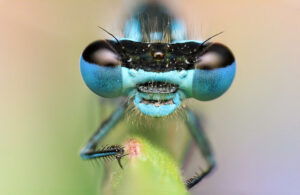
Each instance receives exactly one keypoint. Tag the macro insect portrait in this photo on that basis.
(155, 67)
(150, 97)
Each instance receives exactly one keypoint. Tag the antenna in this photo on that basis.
(211, 38)
(117, 40)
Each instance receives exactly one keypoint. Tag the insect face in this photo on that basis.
(158, 76)
(156, 67)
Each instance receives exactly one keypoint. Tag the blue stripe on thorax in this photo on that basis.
(132, 31)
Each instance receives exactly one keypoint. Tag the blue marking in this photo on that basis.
(178, 31)
(132, 30)
(185, 82)
(183, 79)
(84, 156)
(186, 41)
(156, 36)
(210, 84)
(156, 111)
(102, 80)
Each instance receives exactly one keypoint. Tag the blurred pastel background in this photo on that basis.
(47, 113)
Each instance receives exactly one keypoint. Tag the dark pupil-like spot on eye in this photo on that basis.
(215, 56)
(209, 60)
(105, 57)
(102, 53)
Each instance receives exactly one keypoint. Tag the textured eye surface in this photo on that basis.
(209, 60)
(102, 53)
(214, 72)
(101, 70)
(105, 57)
(214, 55)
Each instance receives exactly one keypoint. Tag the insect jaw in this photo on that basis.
(157, 93)
(157, 87)
(157, 105)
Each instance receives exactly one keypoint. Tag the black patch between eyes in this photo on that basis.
(172, 56)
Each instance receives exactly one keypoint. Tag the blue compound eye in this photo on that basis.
(214, 72)
(100, 67)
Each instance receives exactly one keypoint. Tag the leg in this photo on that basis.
(90, 150)
(202, 142)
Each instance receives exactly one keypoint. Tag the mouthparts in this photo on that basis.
(157, 87)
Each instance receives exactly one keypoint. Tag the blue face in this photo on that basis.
(156, 67)
(157, 76)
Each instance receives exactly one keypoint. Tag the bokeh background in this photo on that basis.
(47, 113)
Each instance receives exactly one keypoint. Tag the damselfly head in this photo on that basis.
(157, 75)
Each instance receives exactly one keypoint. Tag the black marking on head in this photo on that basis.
(160, 57)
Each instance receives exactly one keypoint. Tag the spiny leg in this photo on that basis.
(198, 134)
(90, 151)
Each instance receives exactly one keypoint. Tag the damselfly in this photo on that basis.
(157, 67)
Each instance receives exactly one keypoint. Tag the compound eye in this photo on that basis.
(214, 55)
(102, 53)
(101, 70)
(106, 57)
(210, 60)
(214, 72)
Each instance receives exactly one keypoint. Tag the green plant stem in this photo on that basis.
(151, 172)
